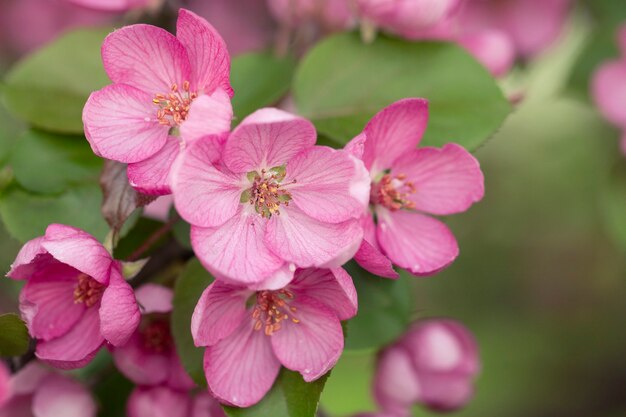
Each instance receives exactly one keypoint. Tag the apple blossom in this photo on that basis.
(163, 401)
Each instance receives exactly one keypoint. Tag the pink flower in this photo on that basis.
(249, 334)
(608, 88)
(37, 391)
(164, 86)
(493, 48)
(275, 201)
(4, 384)
(163, 401)
(434, 364)
(149, 357)
(407, 185)
(112, 5)
(75, 298)
(332, 15)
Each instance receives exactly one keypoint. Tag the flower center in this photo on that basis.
(272, 307)
(88, 291)
(157, 337)
(392, 192)
(174, 106)
(267, 193)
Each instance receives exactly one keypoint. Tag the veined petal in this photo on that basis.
(313, 345)
(208, 115)
(119, 313)
(373, 260)
(152, 175)
(158, 402)
(31, 257)
(237, 250)
(267, 138)
(61, 396)
(447, 180)
(416, 242)
(120, 124)
(146, 57)
(332, 287)
(208, 55)
(241, 369)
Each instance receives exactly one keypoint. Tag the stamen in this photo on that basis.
(174, 106)
(272, 309)
(88, 291)
(267, 192)
(392, 192)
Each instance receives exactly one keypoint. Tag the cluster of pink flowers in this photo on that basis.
(273, 217)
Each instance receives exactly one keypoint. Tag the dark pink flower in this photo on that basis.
(250, 334)
(434, 364)
(274, 202)
(164, 86)
(408, 184)
(75, 298)
(37, 391)
(163, 401)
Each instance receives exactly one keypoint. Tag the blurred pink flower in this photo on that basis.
(492, 48)
(37, 391)
(163, 86)
(408, 183)
(331, 15)
(608, 88)
(4, 383)
(275, 201)
(159, 209)
(434, 364)
(249, 334)
(75, 298)
(165, 402)
(113, 5)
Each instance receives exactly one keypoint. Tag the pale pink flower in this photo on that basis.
(434, 364)
(113, 5)
(408, 184)
(164, 86)
(331, 15)
(163, 401)
(75, 298)
(250, 334)
(275, 201)
(159, 209)
(37, 391)
(608, 88)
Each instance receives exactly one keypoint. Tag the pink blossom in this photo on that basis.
(37, 391)
(275, 201)
(434, 364)
(407, 184)
(159, 209)
(75, 298)
(4, 383)
(168, 90)
(493, 48)
(331, 15)
(250, 334)
(113, 5)
(162, 401)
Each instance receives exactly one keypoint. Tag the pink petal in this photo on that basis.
(61, 396)
(241, 369)
(307, 242)
(416, 242)
(609, 91)
(267, 138)
(141, 366)
(356, 146)
(47, 302)
(158, 402)
(492, 48)
(17, 406)
(159, 209)
(276, 281)
(331, 287)
(77, 347)
(120, 124)
(4, 384)
(237, 250)
(28, 379)
(152, 175)
(208, 55)
(219, 312)
(178, 378)
(112, 5)
(396, 386)
(369, 255)
(145, 57)
(394, 130)
(154, 298)
(313, 345)
(119, 313)
(208, 115)
(31, 257)
(204, 196)
(446, 392)
(330, 185)
(447, 180)
(204, 405)
(78, 249)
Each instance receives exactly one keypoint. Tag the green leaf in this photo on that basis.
(342, 83)
(27, 215)
(259, 80)
(614, 204)
(385, 309)
(49, 88)
(112, 393)
(49, 163)
(13, 335)
(289, 397)
(192, 282)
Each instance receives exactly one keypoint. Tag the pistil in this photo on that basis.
(267, 192)
(88, 291)
(174, 106)
(392, 192)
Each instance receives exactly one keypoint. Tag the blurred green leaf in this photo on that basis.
(49, 163)
(13, 335)
(259, 80)
(8, 134)
(614, 204)
(192, 282)
(385, 309)
(112, 392)
(27, 215)
(49, 88)
(342, 83)
(289, 397)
